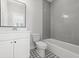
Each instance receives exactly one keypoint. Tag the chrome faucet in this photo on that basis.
(15, 28)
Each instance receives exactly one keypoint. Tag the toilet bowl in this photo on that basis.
(41, 46)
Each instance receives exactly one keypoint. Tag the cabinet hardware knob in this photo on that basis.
(14, 41)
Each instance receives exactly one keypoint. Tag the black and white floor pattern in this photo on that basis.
(48, 54)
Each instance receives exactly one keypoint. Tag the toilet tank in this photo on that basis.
(36, 37)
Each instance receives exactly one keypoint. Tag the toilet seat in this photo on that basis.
(41, 45)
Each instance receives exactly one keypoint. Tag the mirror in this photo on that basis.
(16, 14)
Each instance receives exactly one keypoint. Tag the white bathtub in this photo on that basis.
(63, 49)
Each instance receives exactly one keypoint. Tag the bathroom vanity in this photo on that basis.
(14, 44)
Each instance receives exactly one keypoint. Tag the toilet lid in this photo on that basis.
(40, 43)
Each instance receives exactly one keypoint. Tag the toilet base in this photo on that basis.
(41, 46)
(41, 52)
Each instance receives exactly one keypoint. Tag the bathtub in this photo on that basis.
(62, 49)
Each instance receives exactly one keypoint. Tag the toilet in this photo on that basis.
(40, 45)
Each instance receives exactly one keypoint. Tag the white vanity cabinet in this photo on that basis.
(21, 48)
(15, 45)
(6, 49)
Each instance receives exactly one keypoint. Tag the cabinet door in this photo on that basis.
(21, 48)
(6, 49)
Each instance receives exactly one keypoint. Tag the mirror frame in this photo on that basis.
(24, 21)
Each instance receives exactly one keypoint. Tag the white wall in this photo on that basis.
(4, 18)
(46, 19)
(52, 21)
(34, 15)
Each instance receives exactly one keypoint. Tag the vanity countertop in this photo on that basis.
(12, 35)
